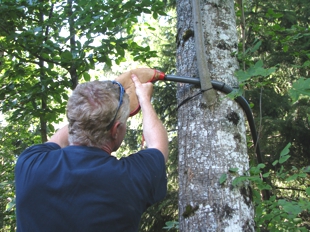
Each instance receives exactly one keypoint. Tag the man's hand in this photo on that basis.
(153, 130)
(144, 91)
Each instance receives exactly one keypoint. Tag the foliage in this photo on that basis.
(49, 46)
(275, 61)
(300, 88)
(288, 207)
(13, 141)
(46, 49)
(275, 57)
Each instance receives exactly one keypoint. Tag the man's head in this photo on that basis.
(93, 109)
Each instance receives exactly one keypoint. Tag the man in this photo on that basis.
(72, 183)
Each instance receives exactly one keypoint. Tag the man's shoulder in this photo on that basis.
(44, 147)
(47, 146)
(149, 154)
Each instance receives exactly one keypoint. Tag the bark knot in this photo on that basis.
(227, 211)
(233, 117)
(189, 211)
(246, 192)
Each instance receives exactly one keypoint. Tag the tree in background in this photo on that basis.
(49, 46)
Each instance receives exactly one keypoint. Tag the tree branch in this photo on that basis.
(293, 189)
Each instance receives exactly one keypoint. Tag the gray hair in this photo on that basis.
(90, 110)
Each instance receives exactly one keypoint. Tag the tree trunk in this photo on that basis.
(43, 122)
(211, 140)
(72, 68)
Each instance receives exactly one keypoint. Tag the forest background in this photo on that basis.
(47, 47)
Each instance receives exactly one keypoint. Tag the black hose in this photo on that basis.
(220, 86)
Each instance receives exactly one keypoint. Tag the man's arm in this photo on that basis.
(154, 132)
(60, 137)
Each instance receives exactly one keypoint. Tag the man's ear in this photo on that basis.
(115, 130)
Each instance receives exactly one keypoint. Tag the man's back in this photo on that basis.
(81, 188)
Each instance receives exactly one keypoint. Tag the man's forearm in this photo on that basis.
(154, 132)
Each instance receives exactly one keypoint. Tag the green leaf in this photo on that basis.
(306, 64)
(146, 11)
(260, 166)
(233, 170)
(285, 150)
(51, 127)
(275, 162)
(301, 87)
(57, 98)
(155, 15)
(265, 175)
(256, 170)
(284, 158)
(86, 76)
(306, 169)
(10, 205)
(171, 225)
(239, 180)
(256, 46)
(223, 178)
(292, 177)
(290, 207)
(66, 56)
(65, 96)
(308, 191)
(254, 70)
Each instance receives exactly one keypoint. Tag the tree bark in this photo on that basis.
(211, 140)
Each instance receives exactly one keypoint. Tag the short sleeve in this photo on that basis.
(150, 171)
(32, 155)
(45, 147)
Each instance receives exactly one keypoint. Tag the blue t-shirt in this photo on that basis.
(85, 189)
